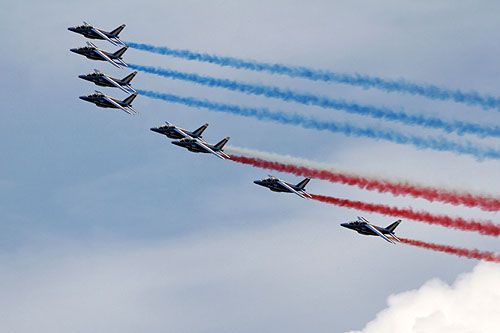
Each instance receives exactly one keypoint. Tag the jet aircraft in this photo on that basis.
(105, 80)
(364, 227)
(175, 132)
(93, 52)
(278, 185)
(103, 101)
(198, 145)
(92, 32)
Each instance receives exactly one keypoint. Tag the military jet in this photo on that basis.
(278, 185)
(93, 52)
(103, 101)
(174, 132)
(104, 80)
(198, 145)
(92, 32)
(364, 227)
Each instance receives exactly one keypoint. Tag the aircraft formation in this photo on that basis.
(190, 140)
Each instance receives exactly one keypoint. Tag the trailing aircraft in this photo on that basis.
(105, 80)
(362, 226)
(175, 132)
(92, 32)
(93, 52)
(198, 145)
(103, 101)
(278, 185)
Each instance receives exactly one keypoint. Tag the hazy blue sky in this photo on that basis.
(107, 227)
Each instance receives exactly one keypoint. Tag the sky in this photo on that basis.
(107, 227)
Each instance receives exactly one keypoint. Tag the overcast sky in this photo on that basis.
(107, 227)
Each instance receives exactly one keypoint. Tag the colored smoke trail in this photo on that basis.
(303, 167)
(365, 81)
(325, 102)
(458, 251)
(440, 144)
(483, 227)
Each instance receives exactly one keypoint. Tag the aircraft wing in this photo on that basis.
(376, 231)
(97, 31)
(395, 238)
(102, 54)
(120, 41)
(210, 150)
(122, 62)
(117, 105)
(182, 132)
(291, 189)
(113, 82)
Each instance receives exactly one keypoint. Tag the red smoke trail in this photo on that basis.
(382, 186)
(483, 227)
(458, 251)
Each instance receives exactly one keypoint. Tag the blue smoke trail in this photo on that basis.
(325, 102)
(440, 144)
(365, 81)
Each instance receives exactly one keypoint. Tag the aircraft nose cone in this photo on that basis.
(82, 76)
(155, 129)
(345, 225)
(85, 98)
(74, 50)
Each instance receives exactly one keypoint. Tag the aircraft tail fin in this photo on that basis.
(120, 52)
(200, 130)
(129, 99)
(129, 77)
(393, 226)
(303, 183)
(117, 30)
(221, 144)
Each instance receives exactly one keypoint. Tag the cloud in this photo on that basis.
(471, 304)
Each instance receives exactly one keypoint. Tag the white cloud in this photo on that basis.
(471, 304)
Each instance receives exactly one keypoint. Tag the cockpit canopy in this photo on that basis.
(268, 180)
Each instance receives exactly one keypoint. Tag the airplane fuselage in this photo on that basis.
(89, 33)
(101, 102)
(172, 133)
(364, 230)
(100, 80)
(92, 54)
(276, 187)
(193, 147)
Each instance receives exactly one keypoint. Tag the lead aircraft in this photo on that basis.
(362, 226)
(94, 53)
(278, 185)
(92, 32)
